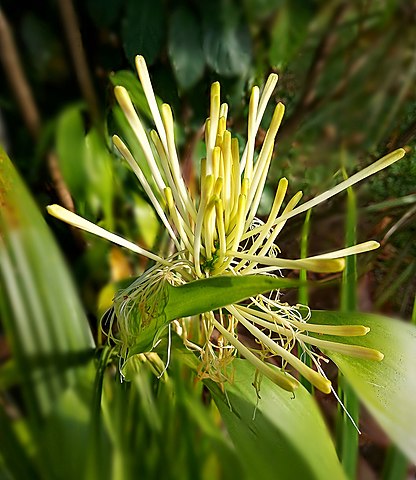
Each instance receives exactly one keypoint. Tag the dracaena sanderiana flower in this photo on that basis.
(216, 232)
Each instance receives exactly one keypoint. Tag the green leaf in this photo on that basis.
(70, 147)
(144, 29)
(185, 47)
(387, 388)
(226, 39)
(146, 220)
(104, 12)
(277, 435)
(70, 423)
(347, 435)
(194, 298)
(12, 452)
(39, 307)
(289, 31)
(98, 162)
(211, 293)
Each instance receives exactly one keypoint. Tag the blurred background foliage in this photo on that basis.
(346, 76)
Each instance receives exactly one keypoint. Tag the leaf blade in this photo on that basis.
(280, 421)
(382, 386)
(211, 293)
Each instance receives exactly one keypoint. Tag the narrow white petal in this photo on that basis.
(345, 252)
(314, 265)
(366, 172)
(125, 152)
(151, 99)
(351, 350)
(264, 100)
(285, 381)
(314, 377)
(79, 222)
(126, 105)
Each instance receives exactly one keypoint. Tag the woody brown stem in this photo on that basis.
(79, 59)
(14, 72)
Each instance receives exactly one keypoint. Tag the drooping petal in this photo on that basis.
(76, 221)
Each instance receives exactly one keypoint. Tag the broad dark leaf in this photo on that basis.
(226, 39)
(144, 29)
(185, 47)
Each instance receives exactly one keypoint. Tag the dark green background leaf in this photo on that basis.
(104, 12)
(185, 47)
(289, 31)
(226, 39)
(70, 146)
(144, 29)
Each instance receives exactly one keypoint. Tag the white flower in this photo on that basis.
(216, 232)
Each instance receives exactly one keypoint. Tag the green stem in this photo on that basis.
(303, 295)
(395, 466)
(347, 435)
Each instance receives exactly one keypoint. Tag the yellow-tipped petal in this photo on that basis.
(313, 265)
(125, 152)
(76, 221)
(351, 350)
(384, 162)
(126, 105)
(345, 252)
(150, 97)
(319, 381)
(279, 378)
(336, 330)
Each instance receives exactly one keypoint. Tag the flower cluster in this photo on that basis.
(216, 232)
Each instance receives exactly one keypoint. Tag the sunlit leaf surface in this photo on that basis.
(41, 313)
(387, 388)
(278, 435)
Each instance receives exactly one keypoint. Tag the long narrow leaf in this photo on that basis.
(45, 325)
(347, 435)
(277, 435)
